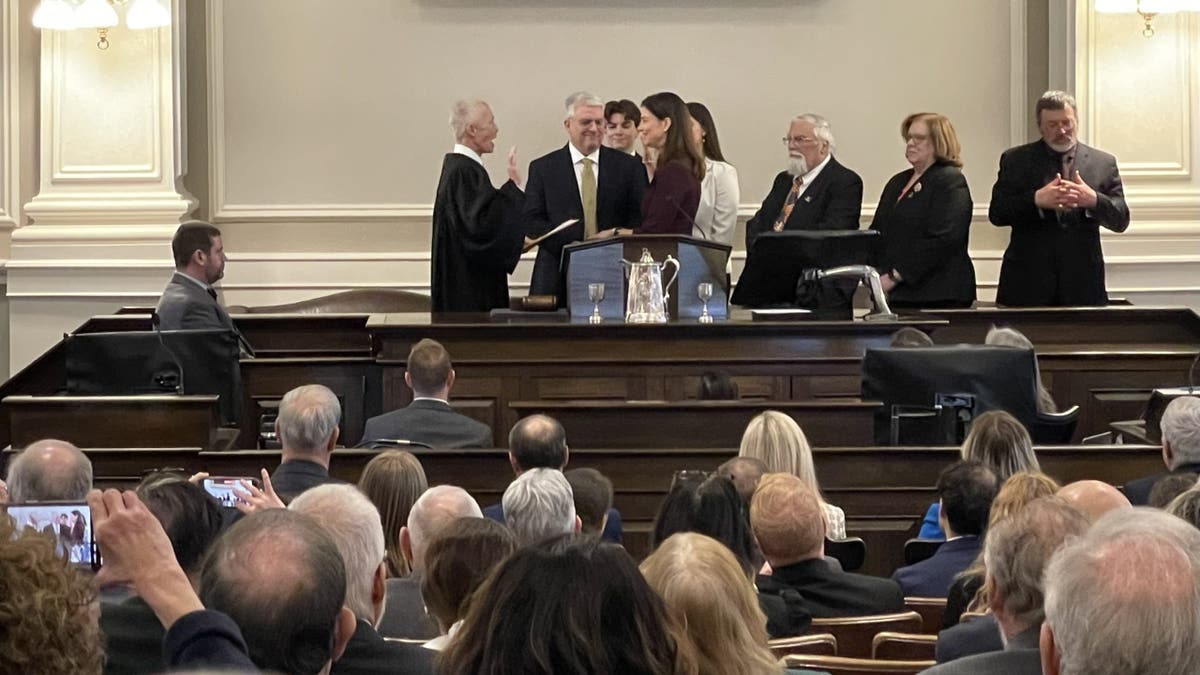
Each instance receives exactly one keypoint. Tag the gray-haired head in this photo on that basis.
(581, 98)
(49, 470)
(821, 129)
(1181, 431)
(352, 522)
(538, 505)
(433, 510)
(1186, 505)
(1054, 100)
(463, 113)
(308, 419)
(1125, 598)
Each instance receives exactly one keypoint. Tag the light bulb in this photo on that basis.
(95, 14)
(1116, 6)
(54, 15)
(147, 14)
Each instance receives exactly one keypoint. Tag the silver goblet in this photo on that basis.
(705, 291)
(596, 295)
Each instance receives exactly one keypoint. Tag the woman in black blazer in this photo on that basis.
(924, 215)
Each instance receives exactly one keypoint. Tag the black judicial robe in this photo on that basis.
(477, 238)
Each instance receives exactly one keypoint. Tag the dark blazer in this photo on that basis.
(1020, 657)
(833, 201)
(433, 423)
(368, 653)
(612, 527)
(925, 238)
(1054, 259)
(206, 640)
(1138, 491)
(404, 614)
(932, 577)
(828, 593)
(295, 476)
(977, 636)
(552, 196)
(669, 204)
(133, 637)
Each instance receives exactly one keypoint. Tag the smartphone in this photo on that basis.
(68, 523)
(221, 488)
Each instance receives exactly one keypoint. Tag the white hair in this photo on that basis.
(353, 523)
(581, 98)
(1011, 337)
(1125, 597)
(308, 416)
(1181, 430)
(49, 470)
(821, 129)
(463, 113)
(436, 507)
(539, 504)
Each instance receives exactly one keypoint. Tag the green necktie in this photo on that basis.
(587, 190)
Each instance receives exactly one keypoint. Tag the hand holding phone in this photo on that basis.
(223, 488)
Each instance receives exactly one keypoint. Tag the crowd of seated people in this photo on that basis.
(395, 576)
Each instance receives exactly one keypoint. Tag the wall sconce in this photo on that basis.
(1147, 9)
(100, 14)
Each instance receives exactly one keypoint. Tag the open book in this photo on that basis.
(562, 226)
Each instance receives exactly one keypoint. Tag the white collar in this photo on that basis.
(816, 170)
(577, 156)
(460, 149)
(194, 280)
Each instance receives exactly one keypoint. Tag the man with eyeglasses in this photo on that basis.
(815, 192)
(1056, 193)
(600, 187)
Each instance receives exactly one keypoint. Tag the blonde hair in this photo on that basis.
(941, 132)
(1000, 441)
(724, 631)
(779, 442)
(393, 481)
(786, 518)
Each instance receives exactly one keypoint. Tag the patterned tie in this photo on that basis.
(788, 204)
(587, 190)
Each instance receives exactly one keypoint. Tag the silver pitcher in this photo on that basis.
(646, 301)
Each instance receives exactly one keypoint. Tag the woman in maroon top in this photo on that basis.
(670, 203)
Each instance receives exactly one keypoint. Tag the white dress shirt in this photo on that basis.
(460, 149)
(577, 158)
(812, 175)
(716, 217)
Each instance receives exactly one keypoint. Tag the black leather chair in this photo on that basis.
(850, 552)
(916, 550)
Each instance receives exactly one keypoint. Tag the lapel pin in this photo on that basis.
(807, 198)
(917, 187)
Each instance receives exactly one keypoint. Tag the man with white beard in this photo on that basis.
(815, 192)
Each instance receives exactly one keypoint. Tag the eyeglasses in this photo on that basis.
(797, 140)
(919, 138)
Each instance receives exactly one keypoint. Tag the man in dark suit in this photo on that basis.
(966, 490)
(307, 428)
(1018, 549)
(599, 186)
(785, 515)
(815, 192)
(429, 419)
(1056, 193)
(1180, 447)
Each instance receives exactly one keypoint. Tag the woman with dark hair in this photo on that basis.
(669, 204)
(566, 605)
(393, 481)
(458, 560)
(716, 218)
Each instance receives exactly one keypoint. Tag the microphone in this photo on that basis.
(163, 380)
(695, 228)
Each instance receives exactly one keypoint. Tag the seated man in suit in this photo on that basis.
(1017, 552)
(1180, 447)
(815, 192)
(966, 490)
(429, 419)
(307, 428)
(189, 300)
(599, 186)
(786, 517)
(540, 442)
(593, 494)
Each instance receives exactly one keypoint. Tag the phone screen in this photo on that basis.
(221, 488)
(68, 523)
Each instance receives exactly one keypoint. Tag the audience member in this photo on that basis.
(49, 471)
(1093, 498)
(966, 490)
(1017, 552)
(1124, 598)
(1010, 337)
(192, 520)
(724, 631)
(429, 419)
(393, 481)
(307, 428)
(717, 387)
(710, 506)
(910, 337)
(1180, 446)
(46, 623)
(281, 579)
(785, 515)
(405, 616)
(540, 442)
(716, 217)
(1169, 487)
(1186, 506)
(566, 605)
(777, 440)
(1001, 442)
(745, 472)
(539, 505)
(457, 562)
(593, 495)
(352, 522)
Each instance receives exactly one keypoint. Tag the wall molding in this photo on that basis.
(10, 118)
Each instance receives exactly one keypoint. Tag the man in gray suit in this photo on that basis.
(429, 419)
(1017, 551)
(189, 300)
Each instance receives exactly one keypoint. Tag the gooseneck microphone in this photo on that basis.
(163, 380)
(695, 228)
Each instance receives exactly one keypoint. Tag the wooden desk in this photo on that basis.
(116, 421)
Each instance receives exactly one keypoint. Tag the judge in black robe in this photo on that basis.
(477, 236)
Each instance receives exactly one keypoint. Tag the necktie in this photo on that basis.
(789, 203)
(212, 292)
(1068, 165)
(587, 190)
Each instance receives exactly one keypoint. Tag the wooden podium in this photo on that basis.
(599, 261)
